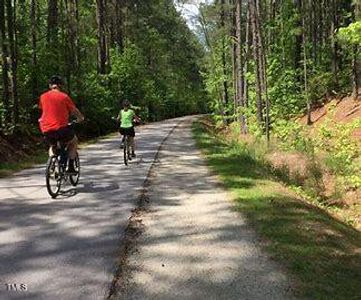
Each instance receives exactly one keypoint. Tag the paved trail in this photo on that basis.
(65, 248)
(195, 246)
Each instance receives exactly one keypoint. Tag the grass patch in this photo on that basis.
(40, 157)
(321, 251)
(9, 168)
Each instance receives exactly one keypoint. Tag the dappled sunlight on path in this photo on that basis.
(196, 246)
(65, 248)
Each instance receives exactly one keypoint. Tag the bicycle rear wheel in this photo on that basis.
(74, 179)
(53, 176)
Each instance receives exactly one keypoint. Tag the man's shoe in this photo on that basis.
(133, 155)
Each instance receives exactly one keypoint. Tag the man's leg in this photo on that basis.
(51, 141)
(51, 150)
(72, 146)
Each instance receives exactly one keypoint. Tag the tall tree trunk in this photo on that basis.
(256, 56)
(53, 22)
(334, 45)
(283, 35)
(119, 5)
(12, 42)
(71, 28)
(102, 41)
(34, 69)
(356, 76)
(313, 30)
(355, 72)
(298, 37)
(248, 44)
(5, 66)
(305, 77)
(74, 36)
(224, 62)
(261, 73)
(204, 26)
(55, 55)
(240, 65)
(273, 13)
(234, 60)
(263, 69)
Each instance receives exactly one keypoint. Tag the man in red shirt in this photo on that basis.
(56, 108)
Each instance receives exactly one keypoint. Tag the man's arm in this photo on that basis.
(76, 112)
(73, 109)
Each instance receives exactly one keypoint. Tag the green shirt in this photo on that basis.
(126, 118)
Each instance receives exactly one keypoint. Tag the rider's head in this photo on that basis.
(126, 104)
(55, 82)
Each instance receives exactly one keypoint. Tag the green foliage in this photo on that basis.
(129, 80)
(292, 136)
(321, 83)
(331, 147)
(284, 91)
(327, 70)
(351, 34)
(99, 105)
(341, 149)
(157, 69)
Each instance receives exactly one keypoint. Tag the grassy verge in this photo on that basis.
(322, 252)
(7, 169)
(40, 157)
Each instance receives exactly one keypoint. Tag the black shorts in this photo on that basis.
(127, 131)
(64, 135)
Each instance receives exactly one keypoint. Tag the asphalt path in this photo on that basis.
(195, 244)
(66, 248)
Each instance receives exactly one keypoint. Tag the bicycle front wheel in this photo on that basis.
(74, 179)
(53, 176)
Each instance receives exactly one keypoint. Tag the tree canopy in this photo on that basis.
(275, 59)
(107, 51)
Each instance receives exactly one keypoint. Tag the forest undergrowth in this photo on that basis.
(322, 162)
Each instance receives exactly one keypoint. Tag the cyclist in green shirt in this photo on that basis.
(127, 117)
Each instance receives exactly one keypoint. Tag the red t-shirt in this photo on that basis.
(56, 107)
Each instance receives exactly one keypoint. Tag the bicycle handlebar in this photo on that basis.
(74, 122)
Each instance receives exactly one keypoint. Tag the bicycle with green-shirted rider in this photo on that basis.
(127, 119)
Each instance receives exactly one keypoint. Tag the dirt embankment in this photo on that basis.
(16, 147)
(297, 165)
(340, 110)
(300, 169)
